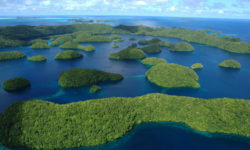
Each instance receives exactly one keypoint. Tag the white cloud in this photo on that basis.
(45, 2)
(221, 11)
(140, 3)
(172, 8)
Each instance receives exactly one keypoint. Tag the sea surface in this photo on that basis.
(215, 82)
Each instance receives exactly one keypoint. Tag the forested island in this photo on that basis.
(128, 53)
(79, 77)
(183, 46)
(152, 61)
(16, 84)
(172, 76)
(95, 89)
(68, 55)
(38, 58)
(231, 63)
(45, 125)
(11, 55)
(39, 44)
(197, 66)
(19, 35)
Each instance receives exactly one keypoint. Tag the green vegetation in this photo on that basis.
(39, 44)
(69, 54)
(183, 46)
(19, 35)
(115, 46)
(72, 45)
(143, 42)
(11, 55)
(152, 41)
(38, 58)
(165, 44)
(152, 61)
(78, 77)
(89, 48)
(128, 53)
(61, 39)
(132, 38)
(172, 76)
(197, 66)
(152, 48)
(16, 84)
(118, 40)
(95, 89)
(45, 125)
(230, 64)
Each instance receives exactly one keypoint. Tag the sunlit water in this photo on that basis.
(215, 81)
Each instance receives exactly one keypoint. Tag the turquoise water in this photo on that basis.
(215, 81)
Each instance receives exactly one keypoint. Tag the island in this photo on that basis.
(61, 39)
(96, 122)
(69, 54)
(172, 76)
(128, 53)
(197, 66)
(79, 77)
(20, 35)
(165, 44)
(38, 58)
(152, 41)
(115, 46)
(95, 89)
(231, 63)
(183, 46)
(152, 48)
(16, 84)
(76, 45)
(118, 40)
(89, 48)
(152, 61)
(39, 44)
(71, 45)
(132, 38)
(10, 55)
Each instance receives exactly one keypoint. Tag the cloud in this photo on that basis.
(140, 3)
(221, 11)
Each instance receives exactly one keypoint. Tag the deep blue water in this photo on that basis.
(215, 81)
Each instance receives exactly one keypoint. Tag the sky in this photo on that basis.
(176, 8)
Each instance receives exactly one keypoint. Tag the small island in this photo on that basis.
(132, 38)
(128, 53)
(11, 55)
(38, 58)
(95, 89)
(115, 46)
(152, 41)
(61, 39)
(76, 45)
(16, 84)
(23, 123)
(72, 45)
(39, 44)
(152, 48)
(68, 55)
(79, 77)
(172, 76)
(230, 64)
(152, 61)
(182, 47)
(88, 48)
(118, 40)
(197, 66)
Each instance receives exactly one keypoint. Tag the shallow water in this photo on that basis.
(215, 81)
